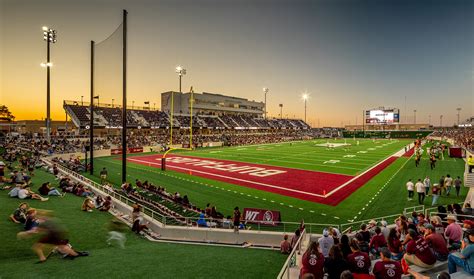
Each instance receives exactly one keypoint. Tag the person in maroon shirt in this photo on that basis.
(312, 262)
(359, 262)
(378, 241)
(418, 251)
(386, 268)
(395, 245)
(437, 243)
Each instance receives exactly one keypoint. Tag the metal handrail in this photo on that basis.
(286, 266)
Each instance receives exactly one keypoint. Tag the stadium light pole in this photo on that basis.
(147, 103)
(265, 90)
(414, 116)
(305, 98)
(181, 72)
(49, 35)
(82, 100)
(281, 111)
(154, 106)
(133, 103)
(113, 102)
(459, 114)
(441, 120)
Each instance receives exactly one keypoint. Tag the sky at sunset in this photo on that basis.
(348, 55)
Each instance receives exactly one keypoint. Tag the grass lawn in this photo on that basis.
(141, 258)
(371, 200)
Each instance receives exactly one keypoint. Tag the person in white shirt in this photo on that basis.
(325, 243)
(410, 188)
(448, 183)
(26, 193)
(427, 182)
(420, 189)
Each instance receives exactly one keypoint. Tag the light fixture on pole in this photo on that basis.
(305, 98)
(82, 100)
(97, 97)
(147, 103)
(265, 90)
(459, 114)
(154, 106)
(281, 111)
(181, 72)
(49, 35)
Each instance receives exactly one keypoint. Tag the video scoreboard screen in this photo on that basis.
(382, 116)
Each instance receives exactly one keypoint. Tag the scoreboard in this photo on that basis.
(382, 116)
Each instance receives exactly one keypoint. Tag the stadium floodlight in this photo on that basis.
(441, 120)
(113, 102)
(414, 116)
(459, 114)
(181, 72)
(305, 97)
(49, 36)
(133, 103)
(265, 90)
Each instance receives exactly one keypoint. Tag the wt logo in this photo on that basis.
(251, 215)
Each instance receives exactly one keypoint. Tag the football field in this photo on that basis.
(321, 181)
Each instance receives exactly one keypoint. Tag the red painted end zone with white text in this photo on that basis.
(302, 184)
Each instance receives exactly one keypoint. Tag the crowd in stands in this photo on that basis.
(411, 241)
(462, 136)
(110, 117)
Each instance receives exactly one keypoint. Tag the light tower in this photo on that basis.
(414, 116)
(305, 98)
(459, 114)
(181, 72)
(49, 35)
(441, 120)
(265, 90)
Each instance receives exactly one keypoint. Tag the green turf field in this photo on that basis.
(384, 195)
(311, 155)
(141, 258)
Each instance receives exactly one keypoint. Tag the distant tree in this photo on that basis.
(5, 114)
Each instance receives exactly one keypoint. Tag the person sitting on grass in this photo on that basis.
(418, 251)
(465, 259)
(14, 191)
(387, 268)
(31, 222)
(99, 201)
(19, 216)
(26, 193)
(87, 205)
(312, 262)
(107, 204)
(285, 247)
(46, 190)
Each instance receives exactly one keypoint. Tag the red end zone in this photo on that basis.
(312, 186)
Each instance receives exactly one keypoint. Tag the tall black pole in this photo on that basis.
(363, 123)
(48, 90)
(124, 99)
(91, 124)
(180, 84)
